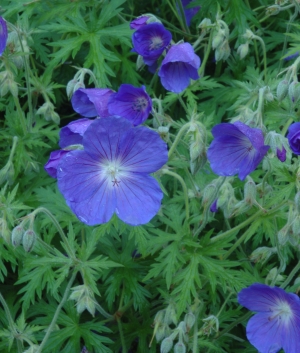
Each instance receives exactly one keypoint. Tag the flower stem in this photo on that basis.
(58, 309)
(245, 223)
(185, 191)
(177, 139)
(291, 275)
(206, 55)
(58, 227)
(124, 349)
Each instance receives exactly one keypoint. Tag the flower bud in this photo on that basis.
(250, 191)
(47, 110)
(273, 274)
(166, 345)
(197, 134)
(78, 85)
(4, 231)
(218, 39)
(163, 132)
(294, 91)
(282, 90)
(170, 315)
(17, 235)
(29, 239)
(211, 323)
(139, 63)
(273, 10)
(297, 201)
(179, 348)
(243, 50)
(189, 320)
(205, 25)
(283, 234)
(70, 88)
(222, 52)
(262, 254)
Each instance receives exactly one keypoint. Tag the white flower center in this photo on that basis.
(113, 172)
(282, 312)
(156, 43)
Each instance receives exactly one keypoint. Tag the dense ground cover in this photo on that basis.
(149, 176)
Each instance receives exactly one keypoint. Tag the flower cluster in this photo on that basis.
(129, 102)
(3, 35)
(180, 63)
(277, 322)
(104, 164)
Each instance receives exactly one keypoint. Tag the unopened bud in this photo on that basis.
(70, 88)
(222, 52)
(282, 90)
(139, 63)
(273, 10)
(78, 85)
(250, 191)
(170, 315)
(179, 348)
(283, 235)
(218, 39)
(205, 24)
(4, 231)
(294, 91)
(262, 254)
(166, 345)
(29, 239)
(243, 50)
(189, 320)
(297, 201)
(211, 323)
(17, 235)
(274, 275)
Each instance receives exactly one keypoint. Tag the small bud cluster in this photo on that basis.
(279, 145)
(290, 232)
(47, 110)
(26, 237)
(197, 134)
(289, 86)
(84, 297)
(78, 81)
(220, 40)
(211, 324)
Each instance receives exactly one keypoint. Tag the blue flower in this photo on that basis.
(277, 322)
(293, 137)
(72, 133)
(3, 35)
(91, 102)
(139, 22)
(189, 12)
(111, 174)
(150, 41)
(131, 103)
(236, 149)
(178, 67)
(52, 164)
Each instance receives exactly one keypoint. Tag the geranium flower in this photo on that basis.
(236, 149)
(150, 41)
(131, 103)
(72, 133)
(111, 174)
(91, 102)
(277, 322)
(294, 137)
(3, 35)
(178, 67)
(189, 13)
(139, 22)
(52, 164)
